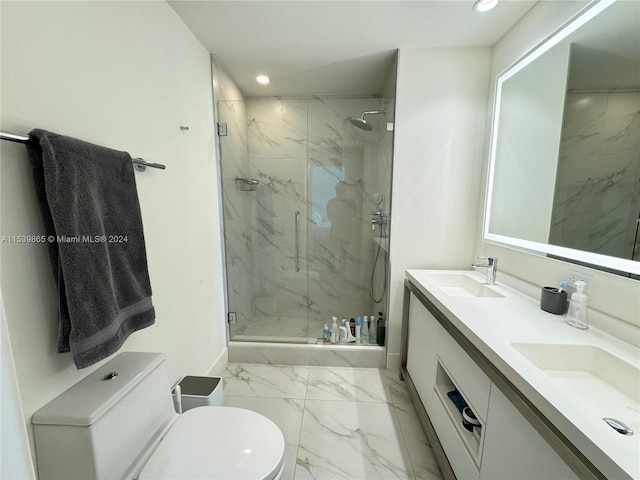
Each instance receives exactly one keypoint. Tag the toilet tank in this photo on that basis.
(103, 425)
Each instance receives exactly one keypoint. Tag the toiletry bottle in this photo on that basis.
(358, 328)
(326, 333)
(352, 326)
(364, 331)
(342, 333)
(577, 314)
(334, 330)
(349, 337)
(373, 331)
(381, 329)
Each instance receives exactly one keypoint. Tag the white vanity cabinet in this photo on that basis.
(505, 446)
(421, 355)
(513, 449)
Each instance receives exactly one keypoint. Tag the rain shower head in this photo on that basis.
(361, 123)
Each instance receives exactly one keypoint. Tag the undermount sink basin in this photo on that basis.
(461, 285)
(591, 375)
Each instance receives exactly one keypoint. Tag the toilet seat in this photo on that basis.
(218, 443)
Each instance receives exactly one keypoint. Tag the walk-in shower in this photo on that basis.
(301, 245)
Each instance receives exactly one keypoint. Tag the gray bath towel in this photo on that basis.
(91, 213)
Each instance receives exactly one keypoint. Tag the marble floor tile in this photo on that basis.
(420, 453)
(284, 412)
(397, 388)
(254, 380)
(351, 440)
(363, 426)
(347, 384)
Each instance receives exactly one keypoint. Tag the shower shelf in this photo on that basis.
(246, 184)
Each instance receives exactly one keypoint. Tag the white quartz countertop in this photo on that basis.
(493, 324)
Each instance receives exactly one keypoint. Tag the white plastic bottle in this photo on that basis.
(326, 333)
(342, 333)
(373, 331)
(334, 330)
(364, 331)
(577, 314)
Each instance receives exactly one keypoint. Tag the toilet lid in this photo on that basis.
(218, 443)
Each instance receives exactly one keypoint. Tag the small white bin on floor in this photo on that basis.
(201, 392)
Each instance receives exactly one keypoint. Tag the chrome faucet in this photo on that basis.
(491, 266)
(378, 218)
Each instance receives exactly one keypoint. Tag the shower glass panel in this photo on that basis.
(299, 243)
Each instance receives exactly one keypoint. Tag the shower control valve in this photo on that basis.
(378, 218)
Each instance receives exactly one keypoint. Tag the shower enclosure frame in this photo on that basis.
(260, 178)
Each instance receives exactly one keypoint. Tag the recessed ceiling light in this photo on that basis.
(484, 5)
(263, 79)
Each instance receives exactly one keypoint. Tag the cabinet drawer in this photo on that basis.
(474, 385)
(457, 454)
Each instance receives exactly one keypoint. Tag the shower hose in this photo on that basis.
(373, 271)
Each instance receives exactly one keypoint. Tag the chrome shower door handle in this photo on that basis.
(297, 219)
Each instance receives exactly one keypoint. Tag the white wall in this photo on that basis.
(440, 120)
(609, 295)
(15, 454)
(124, 75)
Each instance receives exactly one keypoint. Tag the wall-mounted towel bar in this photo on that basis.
(138, 163)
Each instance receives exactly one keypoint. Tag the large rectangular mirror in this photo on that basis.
(564, 169)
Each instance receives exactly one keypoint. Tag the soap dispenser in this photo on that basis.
(333, 335)
(577, 314)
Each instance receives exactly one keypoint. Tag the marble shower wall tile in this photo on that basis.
(305, 355)
(597, 195)
(622, 124)
(277, 128)
(294, 124)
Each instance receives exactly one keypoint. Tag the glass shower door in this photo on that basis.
(265, 229)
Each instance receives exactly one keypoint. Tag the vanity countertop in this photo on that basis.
(493, 324)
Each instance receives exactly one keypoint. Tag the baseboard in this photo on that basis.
(217, 369)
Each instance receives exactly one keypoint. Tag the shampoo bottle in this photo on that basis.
(364, 331)
(577, 314)
(326, 333)
(358, 328)
(342, 331)
(381, 329)
(373, 334)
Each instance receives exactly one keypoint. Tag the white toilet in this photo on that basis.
(119, 422)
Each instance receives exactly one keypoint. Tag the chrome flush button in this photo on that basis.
(618, 426)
